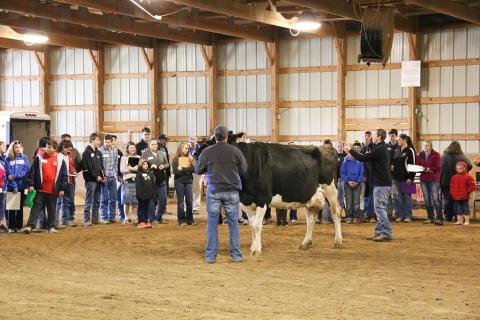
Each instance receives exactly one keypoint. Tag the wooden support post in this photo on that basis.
(341, 45)
(212, 88)
(43, 60)
(271, 51)
(412, 91)
(148, 59)
(99, 77)
(207, 60)
(154, 85)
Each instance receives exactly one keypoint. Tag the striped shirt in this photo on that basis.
(110, 161)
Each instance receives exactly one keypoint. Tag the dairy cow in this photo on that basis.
(287, 177)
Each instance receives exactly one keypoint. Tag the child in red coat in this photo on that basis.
(461, 185)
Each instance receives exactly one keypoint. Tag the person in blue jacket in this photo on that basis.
(352, 175)
(17, 167)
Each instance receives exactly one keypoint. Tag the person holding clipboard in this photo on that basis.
(129, 168)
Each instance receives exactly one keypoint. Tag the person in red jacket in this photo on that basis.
(461, 185)
(430, 182)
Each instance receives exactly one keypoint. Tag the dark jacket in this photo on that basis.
(433, 163)
(379, 161)
(145, 185)
(223, 165)
(185, 175)
(159, 159)
(18, 168)
(449, 161)
(35, 176)
(352, 170)
(141, 146)
(366, 148)
(400, 160)
(462, 184)
(92, 163)
(392, 148)
(340, 158)
(165, 152)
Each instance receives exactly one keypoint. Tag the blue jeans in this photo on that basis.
(92, 201)
(121, 209)
(109, 199)
(353, 201)
(431, 194)
(448, 204)
(2, 205)
(380, 201)
(67, 204)
(404, 204)
(293, 215)
(370, 207)
(185, 198)
(341, 192)
(161, 202)
(326, 212)
(231, 202)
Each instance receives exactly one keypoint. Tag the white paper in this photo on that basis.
(411, 71)
(13, 201)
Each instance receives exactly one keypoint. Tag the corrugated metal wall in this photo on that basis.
(19, 84)
(244, 98)
(320, 87)
(375, 84)
(127, 93)
(72, 94)
(451, 81)
(183, 96)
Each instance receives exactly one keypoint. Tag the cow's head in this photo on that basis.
(232, 139)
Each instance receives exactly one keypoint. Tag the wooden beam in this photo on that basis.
(412, 91)
(307, 69)
(270, 56)
(148, 61)
(94, 60)
(9, 35)
(442, 100)
(242, 72)
(273, 52)
(341, 47)
(374, 102)
(207, 61)
(71, 30)
(39, 61)
(183, 106)
(450, 136)
(307, 137)
(451, 8)
(183, 19)
(346, 9)
(174, 74)
(212, 88)
(242, 105)
(252, 13)
(154, 85)
(375, 121)
(307, 104)
(99, 89)
(44, 62)
(105, 22)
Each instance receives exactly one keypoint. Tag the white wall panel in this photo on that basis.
(308, 52)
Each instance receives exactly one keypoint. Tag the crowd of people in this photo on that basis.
(375, 182)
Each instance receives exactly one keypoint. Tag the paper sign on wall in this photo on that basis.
(411, 71)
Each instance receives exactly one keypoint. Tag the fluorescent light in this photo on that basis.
(31, 39)
(306, 22)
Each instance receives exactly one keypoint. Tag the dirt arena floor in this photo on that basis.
(119, 272)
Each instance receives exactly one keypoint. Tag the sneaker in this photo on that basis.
(381, 238)
(237, 260)
(95, 222)
(71, 224)
(348, 220)
(106, 222)
(148, 225)
(182, 224)
(356, 220)
(438, 222)
(398, 220)
(372, 220)
(52, 230)
(293, 221)
(11, 231)
(407, 220)
(3, 229)
(141, 225)
(326, 221)
(428, 221)
(87, 224)
(372, 237)
(210, 261)
(26, 230)
(193, 223)
(112, 221)
(60, 227)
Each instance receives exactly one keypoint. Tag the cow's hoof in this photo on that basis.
(337, 245)
(255, 252)
(305, 246)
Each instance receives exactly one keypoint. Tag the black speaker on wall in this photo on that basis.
(371, 45)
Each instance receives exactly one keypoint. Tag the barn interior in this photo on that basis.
(282, 71)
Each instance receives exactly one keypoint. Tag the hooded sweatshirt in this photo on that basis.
(447, 170)
(462, 184)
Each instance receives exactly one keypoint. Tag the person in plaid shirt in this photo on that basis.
(109, 187)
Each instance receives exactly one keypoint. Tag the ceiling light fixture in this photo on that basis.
(31, 39)
(305, 23)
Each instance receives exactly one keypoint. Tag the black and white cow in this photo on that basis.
(287, 177)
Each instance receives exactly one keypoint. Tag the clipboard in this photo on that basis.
(13, 201)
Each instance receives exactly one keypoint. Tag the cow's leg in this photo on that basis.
(307, 242)
(335, 210)
(251, 221)
(257, 225)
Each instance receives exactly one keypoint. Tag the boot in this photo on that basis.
(459, 220)
(467, 220)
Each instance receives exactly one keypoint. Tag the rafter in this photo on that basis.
(451, 8)
(9, 34)
(17, 44)
(106, 21)
(246, 12)
(184, 19)
(70, 30)
(346, 10)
